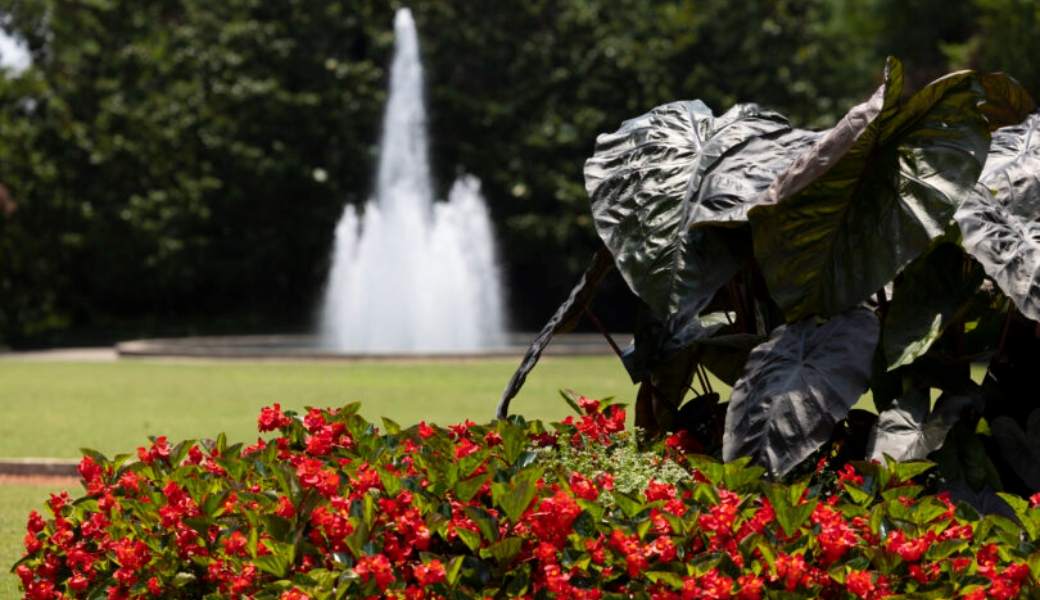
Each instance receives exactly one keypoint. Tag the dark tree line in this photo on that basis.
(180, 165)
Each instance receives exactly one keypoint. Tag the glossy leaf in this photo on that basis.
(1007, 102)
(647, 187)
(984, 500)
(999, 221)
(908, 431)
(846, 216)
(936, 289)
(963, 460)
(797, 386)
(565, 319)
(1021, 449)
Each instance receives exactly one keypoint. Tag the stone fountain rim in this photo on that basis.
(296, 347)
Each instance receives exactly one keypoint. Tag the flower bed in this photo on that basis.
(333, 508)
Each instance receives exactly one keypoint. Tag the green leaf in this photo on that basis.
(391, 481)
(466, 489)
(470, 538)
(796, 387)
(884, 560)
(391, 427)
(514, 440)
(869, 197)
(1028, 517)
(792, 518)
(571, 399)
(628, 504)
(945, 548)
(595, 509)
(790, 515)
(905, 471)
(357, 539)
(503, 551)
(650, 182)
(487, 524)
(672, 579)
(451, 570)
(564, 320)
(711, 469)
(585, 525)
(277, 562)
(737, 476)
(513, 499)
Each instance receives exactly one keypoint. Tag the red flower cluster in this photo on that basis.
(332, 508)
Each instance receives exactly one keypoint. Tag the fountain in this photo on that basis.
(410, 274)
(411, 278)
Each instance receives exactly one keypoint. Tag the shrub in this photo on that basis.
(891, 253)
(333, 508)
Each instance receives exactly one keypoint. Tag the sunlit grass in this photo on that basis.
(54, 409)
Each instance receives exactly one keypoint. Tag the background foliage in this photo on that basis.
(167, 158)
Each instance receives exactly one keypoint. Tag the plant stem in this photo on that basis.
(602, 331)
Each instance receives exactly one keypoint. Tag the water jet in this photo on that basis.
(410, 274)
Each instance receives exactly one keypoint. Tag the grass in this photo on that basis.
(53, 409)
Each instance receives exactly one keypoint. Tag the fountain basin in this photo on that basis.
(309, 347)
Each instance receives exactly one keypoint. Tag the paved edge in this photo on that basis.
(39, 467)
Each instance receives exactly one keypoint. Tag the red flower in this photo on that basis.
(582, 487)
(911, 550)
(429, 574)
(285, 508)
(715, 586)
(425, 431)
(159, 450)
(750, 587)
(235, 544)
(378, 567)
(272, 418)
(589, 406)
(848, 473)
(860, 583)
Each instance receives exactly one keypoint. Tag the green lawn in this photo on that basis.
(53, 409)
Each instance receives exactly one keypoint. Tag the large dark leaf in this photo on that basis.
(657, 340)
(984, 500)
(906, 430)
(797, 386)
(645, 181)
(1021, 449)
(564, 320)
(999, 221)
(870, 196)
(936, 289)
(1007, 102)
(963, 458)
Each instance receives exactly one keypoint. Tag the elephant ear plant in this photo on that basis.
(890, 253)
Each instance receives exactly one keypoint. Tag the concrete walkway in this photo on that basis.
(64, 354)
